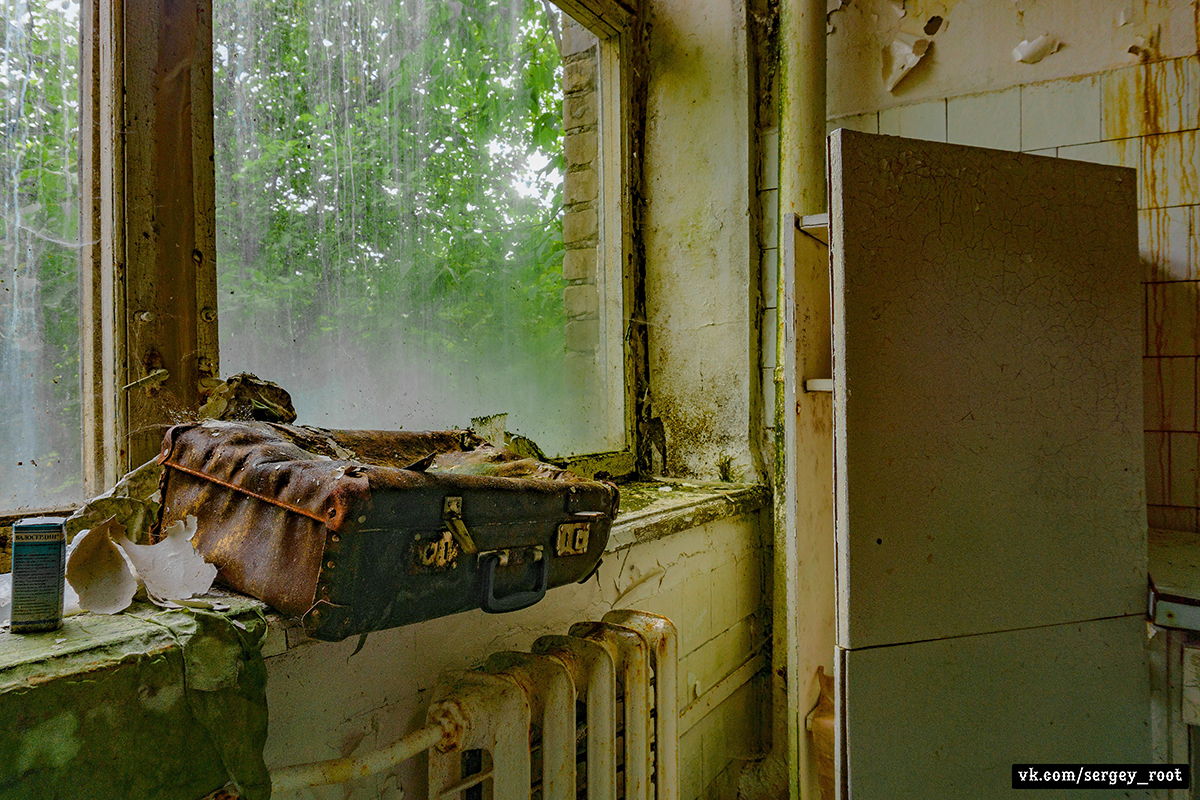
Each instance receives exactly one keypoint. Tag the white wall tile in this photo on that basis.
(768, 389)
(1158, 465)
(724, 595)
(1158, 97)
(749, 585)
(1170, 176)
(1060, 112)
(695, 623)
(769, 204)
(1116, 153)
(1184, 480)
(1170, 387)
(770, 277)
(920, 121)
(1164, 242)
(1120, 101)
(985, 120)
(770, 159)
(691, 764)
(1171, 319)
(769, 328)
(867, 123)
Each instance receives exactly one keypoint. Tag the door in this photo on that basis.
(989, 489)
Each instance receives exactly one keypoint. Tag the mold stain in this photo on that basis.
(52, 744)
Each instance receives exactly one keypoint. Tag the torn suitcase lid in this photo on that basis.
(357, 531)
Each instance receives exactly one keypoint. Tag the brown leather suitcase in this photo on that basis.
(357, 531)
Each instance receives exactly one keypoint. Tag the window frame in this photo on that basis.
(148, 276)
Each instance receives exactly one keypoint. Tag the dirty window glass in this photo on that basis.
(394, 182)
(40, 442)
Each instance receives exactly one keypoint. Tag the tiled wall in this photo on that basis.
(768, 198)
(1144, 116)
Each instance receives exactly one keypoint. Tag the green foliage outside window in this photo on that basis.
(39, 224)
(389, 200)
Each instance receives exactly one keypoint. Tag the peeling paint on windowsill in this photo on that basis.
(653, 509)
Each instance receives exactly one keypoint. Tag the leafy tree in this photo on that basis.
(389, 198)
(39, 223)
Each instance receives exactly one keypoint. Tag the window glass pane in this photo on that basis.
(391, 183)
(39, 223)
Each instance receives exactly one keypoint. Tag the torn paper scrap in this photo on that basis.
(1028, 52)
(98, 571)
(900, 57)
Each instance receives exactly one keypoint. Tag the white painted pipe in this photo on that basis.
(485, 712)
(550, 692)
(631, 657)
(340, 770)
(659, 632)
(595, 678)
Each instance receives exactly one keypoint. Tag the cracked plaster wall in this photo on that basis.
(1092, 100)
(702, 320)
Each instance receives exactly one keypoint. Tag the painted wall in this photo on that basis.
(325, 702)
(700, 254)
(1123, 89)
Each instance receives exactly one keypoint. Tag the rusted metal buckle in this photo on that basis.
(572, 538)
(452, 514)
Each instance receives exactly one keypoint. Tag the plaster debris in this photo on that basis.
(107, 570)
(831, 8)
(1028, 52)
(173, 569)
(100, 572)
(904, 53)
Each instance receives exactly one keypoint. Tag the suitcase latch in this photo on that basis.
(573, 538)
(452, 514)
(437, 554)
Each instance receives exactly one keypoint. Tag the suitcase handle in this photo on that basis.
(517, 600)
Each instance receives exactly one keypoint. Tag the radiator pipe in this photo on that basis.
(802, 191)
(340, 770)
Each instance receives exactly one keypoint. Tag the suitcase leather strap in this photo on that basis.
(275, 501)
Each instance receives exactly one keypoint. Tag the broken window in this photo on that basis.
(413, 228)
(39, 224)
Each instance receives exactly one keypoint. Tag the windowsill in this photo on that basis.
(653, 509)
(650, 510)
